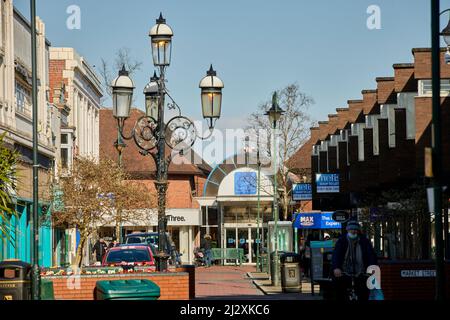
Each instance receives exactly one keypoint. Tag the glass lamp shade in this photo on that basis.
(211, 103)
(161, 39)
(122, 95)
(152, 97)
(211, 94)
(446, 34)
(162, 51)
(122, 103)
(275, 112)
(152, 106)
(447, 39)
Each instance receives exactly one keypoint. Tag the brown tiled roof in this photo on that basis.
(133, 162)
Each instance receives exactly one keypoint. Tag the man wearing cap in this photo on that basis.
(352, 255)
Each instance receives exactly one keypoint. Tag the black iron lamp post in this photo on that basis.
(274, 114)
(35, 280)
(436, 143)
(152, 132)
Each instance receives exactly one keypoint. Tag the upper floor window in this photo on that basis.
(23, 98)
(425, 87)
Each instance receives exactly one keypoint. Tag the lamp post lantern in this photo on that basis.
(274, 114)
(152, 132)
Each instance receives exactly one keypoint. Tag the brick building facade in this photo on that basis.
(377, 144)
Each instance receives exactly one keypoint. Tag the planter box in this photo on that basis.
(173, 285)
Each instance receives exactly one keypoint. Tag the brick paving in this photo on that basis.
(226, 282)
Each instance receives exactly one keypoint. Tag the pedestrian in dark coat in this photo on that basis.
(352, 255)
(100, 248)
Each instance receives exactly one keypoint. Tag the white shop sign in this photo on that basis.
(418, 273)
(175, 217)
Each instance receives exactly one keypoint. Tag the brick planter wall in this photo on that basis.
(173, 286)
(190, 269)
(397, 288)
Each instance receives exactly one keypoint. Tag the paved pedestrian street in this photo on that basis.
(235, 283)
(226, 282)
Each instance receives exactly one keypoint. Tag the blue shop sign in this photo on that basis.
(327, 183)
(301, 191)
(315, 221)
(245, 183)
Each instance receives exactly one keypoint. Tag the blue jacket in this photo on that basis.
(368, 254)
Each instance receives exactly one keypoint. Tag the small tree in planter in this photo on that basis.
(8, 181)
(96, 193)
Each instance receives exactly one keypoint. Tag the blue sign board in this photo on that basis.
(327, 183)
(245, 183)
(315, 221)
(301, 191)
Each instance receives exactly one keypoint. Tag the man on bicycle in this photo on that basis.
(352, 255)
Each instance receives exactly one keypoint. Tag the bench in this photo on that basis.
(228, 254)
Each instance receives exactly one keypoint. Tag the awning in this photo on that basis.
(310, 220)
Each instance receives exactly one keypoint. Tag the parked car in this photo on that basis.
(129, 255)
(152, 238)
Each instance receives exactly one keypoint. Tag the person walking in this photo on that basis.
(100, 248)
(113, 244)
(206, 247)
(352, 255)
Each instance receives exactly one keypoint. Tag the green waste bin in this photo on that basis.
(47, 292)
(127, 290)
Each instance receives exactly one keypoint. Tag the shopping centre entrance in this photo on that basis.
(231, 195)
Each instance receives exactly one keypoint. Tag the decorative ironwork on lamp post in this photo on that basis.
(152, 133)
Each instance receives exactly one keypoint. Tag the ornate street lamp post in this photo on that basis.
(436, 143)
(36, 279)
(274, 115)
(151, 133)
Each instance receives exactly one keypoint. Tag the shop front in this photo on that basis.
(237, 204)
(183, 225)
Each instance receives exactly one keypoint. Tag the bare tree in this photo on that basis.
(292, 132)
(109, 71)
(95, 194)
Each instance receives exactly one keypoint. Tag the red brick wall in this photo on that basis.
(369, 100)
(404, 78)
(397, 288)
(386, 90)
(179, 193)
(173, 286)
(422, 64)
(56, 68)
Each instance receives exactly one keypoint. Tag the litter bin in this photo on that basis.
(127, 290)
(47, 291)
(15, 280)
(290, 272)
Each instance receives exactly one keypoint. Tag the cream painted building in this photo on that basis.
(16, 122)
(76, 90)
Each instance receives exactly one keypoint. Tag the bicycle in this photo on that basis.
(351, 292)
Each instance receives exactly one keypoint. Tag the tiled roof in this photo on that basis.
(133, 162)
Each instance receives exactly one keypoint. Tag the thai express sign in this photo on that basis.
(327, 183)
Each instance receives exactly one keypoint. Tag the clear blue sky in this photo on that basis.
(256, 46)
